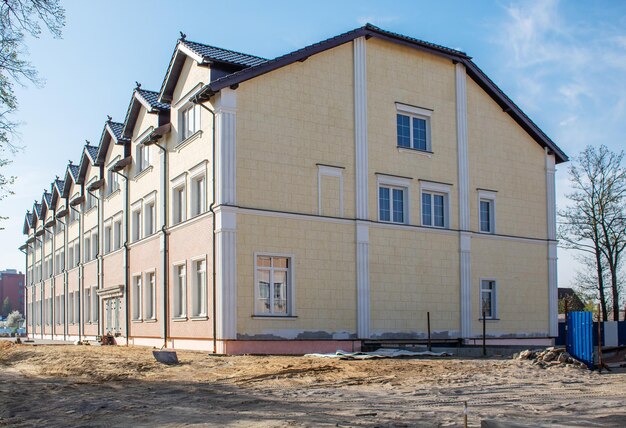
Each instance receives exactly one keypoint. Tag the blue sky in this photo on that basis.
(563, 62)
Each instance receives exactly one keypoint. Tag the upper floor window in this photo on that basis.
(90, 201)
(108, 238)
(413, 127)
(190, 121)
(149, 218)
(393, 193)
(179, 204)
(487, 211)
(117, 234)
(136, 224)
(143, 157)
(435, 204)
(198, 195)
(113, 181)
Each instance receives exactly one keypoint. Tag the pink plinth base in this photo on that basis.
(289, 347)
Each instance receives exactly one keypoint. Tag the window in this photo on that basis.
(198, 296)
(487, 211)
(273, 288)
(94, 304)
(70, 254)
(90, 201)
(413, 127)
(87, 249)
(76, 307)
(435, 204)
(117, 234)
(137, 297)
(73, 214)
(150, 219)
(190, 121)
(136, 222)
(113, 181)
(76, 252)
(94, 244)
(87, 305)
(150, 296)
(391, 204)
(143, 157)
(180, 291)
(488, 298)
(70, 312)
(198, 195)
(393, 201)
(179, 204)
(108, 237)
(59, 228)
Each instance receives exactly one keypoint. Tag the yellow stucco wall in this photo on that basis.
(324, 269)
(289, 120)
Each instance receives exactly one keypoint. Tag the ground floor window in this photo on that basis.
(199, 288)
(273, 285)
(150, 293)
(136, 296)
(180, 291)
(488, 298)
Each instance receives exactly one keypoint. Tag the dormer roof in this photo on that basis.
(71, 175)
(203, 55)
(112, 131)
(57, 191)
(88, 158)
(28, 222)
(149, 100)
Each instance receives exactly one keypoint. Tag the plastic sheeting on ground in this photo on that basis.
(379, 353)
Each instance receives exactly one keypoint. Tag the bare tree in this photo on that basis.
(594, 222)
(18, 19)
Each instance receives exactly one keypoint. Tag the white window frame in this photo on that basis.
(291, 287)
(490, 197)
(113, 178)
(108, 236)
(195, 288)
(94, 304)
(398, 183)
(87, 305)
(95, 244)
(198, 197)
(143, 161)
(136, 219)
(137, 296)
(149, 283)
(179, 299)
(70, 309)
(87, 247)
(179, 212)
(494, 299)
(118, 232)
(441, 189)
(418, 113)
(185, 131)
(329, 171)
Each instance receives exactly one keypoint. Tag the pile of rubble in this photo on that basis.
(550, 357)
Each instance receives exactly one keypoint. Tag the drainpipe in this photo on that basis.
(98, 256)
(52, 288)
(126, 254)
(64, 272)
(164, 234)
(196, 100)
(80, 271)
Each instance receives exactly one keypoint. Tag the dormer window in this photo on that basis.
(189, 121)
(143, 157)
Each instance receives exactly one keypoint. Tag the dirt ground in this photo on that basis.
(68, 385)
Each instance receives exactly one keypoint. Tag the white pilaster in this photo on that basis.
(552, 257)
(225, 217)
(362, 211)
(465, 240)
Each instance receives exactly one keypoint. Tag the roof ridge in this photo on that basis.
(225, 49)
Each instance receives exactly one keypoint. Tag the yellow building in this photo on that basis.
(338, 194)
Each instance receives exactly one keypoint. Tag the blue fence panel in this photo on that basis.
(579, 336)
(560, 339)
(621, 333)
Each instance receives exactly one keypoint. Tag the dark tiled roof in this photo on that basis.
(59, 184)
(151, 98)
(213, 53)
(47, 197)
(73, 169)
(416, 41)
(116, 128)
(37, 209)
(92, 150)
(29, 217)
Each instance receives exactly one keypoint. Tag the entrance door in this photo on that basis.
(112, 309)
(108, 309)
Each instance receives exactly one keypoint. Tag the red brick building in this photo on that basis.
(11, 291)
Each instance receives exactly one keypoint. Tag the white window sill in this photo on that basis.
(151, 320)
(426, 153)
(143, 172)
(137, 321)
(180, 319)
(113, 193)
(489, 319)
(199, 318)
(188, 140)
(274, 317)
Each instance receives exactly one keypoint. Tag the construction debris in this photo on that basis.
(380, 353)
(550, 357)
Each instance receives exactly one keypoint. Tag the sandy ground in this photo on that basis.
(67, 385)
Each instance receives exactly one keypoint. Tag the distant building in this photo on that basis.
(11, 291)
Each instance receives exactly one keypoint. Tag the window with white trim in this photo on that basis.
(198, 195)
(487, 211)
(108, 238)
(488, 302)
(179, 204)
(273, 286)
(70, 307)
(199, 292)
(90, 201)
(136, 296)
(94, 304)
(150, 296)
(76, 252)
(87, 248)
(136, 224)
(76, 307)
(149, 218)
(189, 121)
(113, 181)
(393, 199)
(73, 214)
(142, 157)
(117, 234)
(435, 201)
(413, 127)
(87, 305)
(94, 243)
(180, 291)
